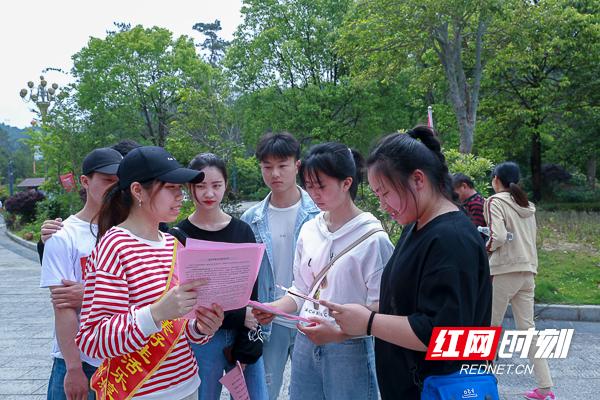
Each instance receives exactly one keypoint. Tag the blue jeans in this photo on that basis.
(56, 389)
(276, 351)
(333, 371)
(212, 363)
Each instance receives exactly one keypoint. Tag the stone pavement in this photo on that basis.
(26, 324)
(26, 332)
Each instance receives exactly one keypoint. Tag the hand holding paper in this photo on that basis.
(229, 269)
(177, 302)
(208, 321)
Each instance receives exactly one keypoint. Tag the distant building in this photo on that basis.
(31, 183)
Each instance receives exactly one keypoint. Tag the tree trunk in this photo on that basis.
(464, 95)
(536, 165)
(467, 129)
(162, 133)
(592, 165)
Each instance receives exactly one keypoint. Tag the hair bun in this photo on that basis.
(427, 136)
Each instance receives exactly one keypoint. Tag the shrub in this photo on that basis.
(577, 194)
(59, 205)
(3, 192)
(554, 173)
(367, 201)
(477, 168)
(23, 204)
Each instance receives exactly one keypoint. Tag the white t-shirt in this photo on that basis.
(65, 256)
(281, 223)
(356, 276)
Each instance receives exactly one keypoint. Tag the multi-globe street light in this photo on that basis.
(42, 96)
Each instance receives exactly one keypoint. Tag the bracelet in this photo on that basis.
(370, 323)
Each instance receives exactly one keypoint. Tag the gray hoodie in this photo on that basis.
(504, 215)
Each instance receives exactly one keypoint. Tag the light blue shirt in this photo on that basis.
(258, 219)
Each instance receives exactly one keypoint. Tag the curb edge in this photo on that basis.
(22, 242)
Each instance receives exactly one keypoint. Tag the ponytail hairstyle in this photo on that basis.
(335, 160)
(509, 175)
(397, 156)
(117, 203)
(204, 160)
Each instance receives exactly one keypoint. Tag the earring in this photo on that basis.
(139, 203)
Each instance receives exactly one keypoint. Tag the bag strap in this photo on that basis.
(352, 245)
(179, 234)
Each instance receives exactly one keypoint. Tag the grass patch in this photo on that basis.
(568, 277)
(30, 232)
(574, 227)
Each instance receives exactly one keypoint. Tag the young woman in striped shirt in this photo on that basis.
(132, 305)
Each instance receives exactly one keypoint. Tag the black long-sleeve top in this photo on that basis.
(437, 276)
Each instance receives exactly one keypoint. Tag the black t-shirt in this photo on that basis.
(236, 231)
(438, 276)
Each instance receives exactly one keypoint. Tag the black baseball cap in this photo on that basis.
(147, 163)
(104, 160)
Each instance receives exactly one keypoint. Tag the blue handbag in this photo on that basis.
(460, 386)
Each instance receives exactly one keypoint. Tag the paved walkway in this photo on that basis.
(26, 332)
(26, 324)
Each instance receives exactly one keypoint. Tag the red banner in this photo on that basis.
(68, 182)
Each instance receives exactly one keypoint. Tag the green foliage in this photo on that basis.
(187, 208)
(131, 83)
(533, 79)
(213, 44)
(63, 139)
(245, 179)
(183, 146)
(3, 192)
(440, 40)
(367, 201)
(477, 168)
(284, 61)
(577, 195)
(346, 71)
(58, 204)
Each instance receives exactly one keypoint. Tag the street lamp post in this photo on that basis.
(11, 177)
(41, 96)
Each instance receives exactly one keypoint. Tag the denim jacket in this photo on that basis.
(258, 219)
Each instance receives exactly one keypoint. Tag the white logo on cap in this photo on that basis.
(170, 159)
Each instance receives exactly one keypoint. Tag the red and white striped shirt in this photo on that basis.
(125, 275)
